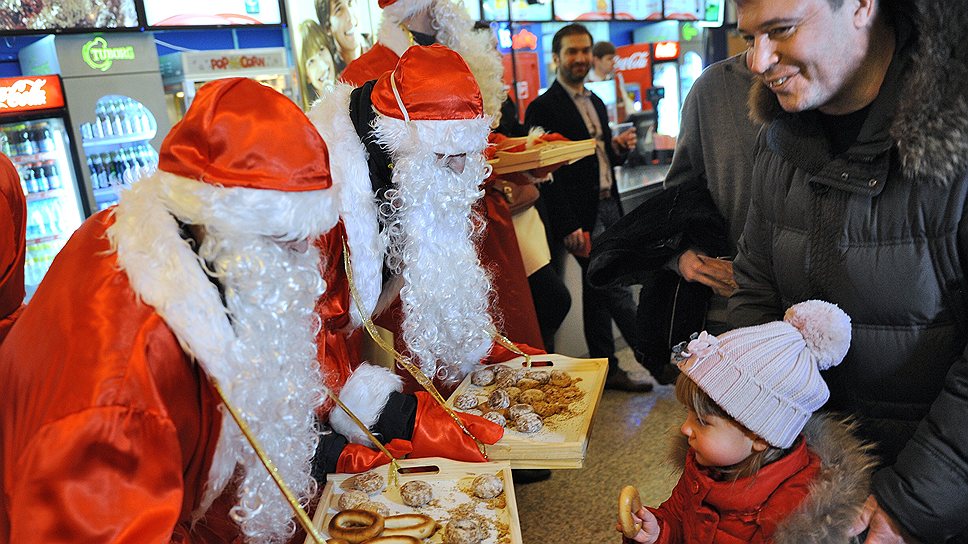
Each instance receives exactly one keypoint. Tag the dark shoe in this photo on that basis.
(619, 380)
(529, 475)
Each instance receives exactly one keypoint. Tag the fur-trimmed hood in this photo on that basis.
(838, 492)
(930, 128)
(455, 30)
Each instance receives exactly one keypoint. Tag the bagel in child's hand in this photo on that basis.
(395, 539)
(419, 526)
(355, 526)
(629, 503)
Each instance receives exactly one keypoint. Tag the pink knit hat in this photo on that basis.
(767, 377)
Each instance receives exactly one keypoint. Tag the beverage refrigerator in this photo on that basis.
(34, 134)
(113, 90)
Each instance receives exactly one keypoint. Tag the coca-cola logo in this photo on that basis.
(635, 61)
(23, 93)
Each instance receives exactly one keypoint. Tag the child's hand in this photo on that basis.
(649, 533)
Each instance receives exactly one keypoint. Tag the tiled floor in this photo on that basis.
(630, 444)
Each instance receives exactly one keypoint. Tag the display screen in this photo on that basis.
(182, 13)
(521, 10)
(68, 15)
(684, 10)
(638, 10)
(583, 10)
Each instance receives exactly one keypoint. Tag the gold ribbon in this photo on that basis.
(509, 345)
(392, 477)
(301, 515)
(414, 371)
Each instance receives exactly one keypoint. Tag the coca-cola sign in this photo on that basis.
(636, 61)
(30, 93)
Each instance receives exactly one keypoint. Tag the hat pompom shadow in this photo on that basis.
(825, 329)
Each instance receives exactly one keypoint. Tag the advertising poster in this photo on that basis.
(326, 36)
(583, 10)
(67, 15)
(179, 13)
(521, 10)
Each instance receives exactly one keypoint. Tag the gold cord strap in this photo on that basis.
(301, 515)
(509, 345)
(409, 34)
(404, 362)
(392, 477)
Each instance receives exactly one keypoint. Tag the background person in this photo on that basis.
(859, 188)
(603, 62)
(583, 200)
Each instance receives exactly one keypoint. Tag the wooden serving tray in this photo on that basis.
(451, 482)
(563, 441)
(542, 155)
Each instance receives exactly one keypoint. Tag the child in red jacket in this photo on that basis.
(749, 470)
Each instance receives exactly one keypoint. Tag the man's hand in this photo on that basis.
(649, 533)
(575, 241)
(717, 274)
(881, 527)
(624, 141)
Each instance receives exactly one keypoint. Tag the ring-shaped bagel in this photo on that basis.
(628, 503)
(395, 539)
(355, 526)
(419, 526)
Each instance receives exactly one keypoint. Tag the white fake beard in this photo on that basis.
(275, 383)
(429, 231)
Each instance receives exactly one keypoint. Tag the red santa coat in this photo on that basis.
(702, 510)
(498, 248)
(13, 229)
(108, 428)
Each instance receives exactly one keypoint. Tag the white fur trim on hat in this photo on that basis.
(365, 394)
(357, 203)
(767, 377)
(449, 137)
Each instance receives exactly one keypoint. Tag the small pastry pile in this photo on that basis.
(521, 400)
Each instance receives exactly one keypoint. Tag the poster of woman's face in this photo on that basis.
(326, 36)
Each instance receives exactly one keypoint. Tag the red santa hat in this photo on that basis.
(240, 133)
(433, 95)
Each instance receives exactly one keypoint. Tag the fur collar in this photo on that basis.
(930, 128)
(477, 48)
(836, 495)
(357, 203)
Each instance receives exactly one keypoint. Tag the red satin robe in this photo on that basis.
(108, 428)
(498, 248)
(13, 229)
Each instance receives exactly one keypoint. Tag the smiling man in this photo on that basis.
(583, 198)
(860, 187)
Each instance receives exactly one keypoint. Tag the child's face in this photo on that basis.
(718, 442)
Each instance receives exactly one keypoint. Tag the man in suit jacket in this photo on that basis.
(583, 196)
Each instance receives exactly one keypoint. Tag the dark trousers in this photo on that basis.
(601, 305)
(551, 302)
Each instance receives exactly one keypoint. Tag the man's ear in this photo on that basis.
(760, 445)
(864, 11)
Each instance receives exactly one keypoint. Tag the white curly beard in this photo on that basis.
(429, 230)
(275, 382)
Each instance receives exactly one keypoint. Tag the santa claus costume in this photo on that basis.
(13, 232)
(413, 222)
(111, 430)
(513, 308)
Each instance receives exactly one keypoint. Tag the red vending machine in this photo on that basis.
(33, 133)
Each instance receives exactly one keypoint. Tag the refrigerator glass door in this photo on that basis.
(40, 151)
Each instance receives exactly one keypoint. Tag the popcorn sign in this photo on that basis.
(30, 93)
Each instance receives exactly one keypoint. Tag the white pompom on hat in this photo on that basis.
(767, 377)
